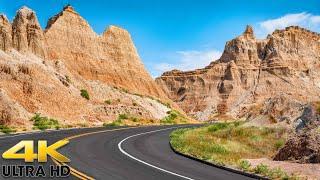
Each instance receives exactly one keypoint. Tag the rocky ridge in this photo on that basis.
(43, 71)
(250, 73)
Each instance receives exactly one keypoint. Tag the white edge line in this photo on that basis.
(143, 162)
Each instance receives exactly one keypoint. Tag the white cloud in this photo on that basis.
(306, 20)
(189, 60)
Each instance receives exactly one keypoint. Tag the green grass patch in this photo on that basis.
(43, 123)
(84, 93)
(6, 129)
(228, 143)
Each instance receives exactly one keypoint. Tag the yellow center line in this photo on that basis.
(75, 172)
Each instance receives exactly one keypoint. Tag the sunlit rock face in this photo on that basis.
(249, 73)
(43, 71)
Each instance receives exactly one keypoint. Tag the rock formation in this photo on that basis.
(304, 145)
(44, 71)
(249, 73)
(5, 33)
(27, 34)
(111, 58)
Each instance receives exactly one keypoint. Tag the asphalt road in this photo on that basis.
(129, 153)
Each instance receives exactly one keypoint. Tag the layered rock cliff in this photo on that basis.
(111, 58)
(44, 71)
(249, 75)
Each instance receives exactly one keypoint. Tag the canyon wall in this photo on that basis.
(251, 75)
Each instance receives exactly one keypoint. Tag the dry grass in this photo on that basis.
(228, 143)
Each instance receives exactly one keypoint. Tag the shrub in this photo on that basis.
(108, 101)
(122, 117)
(43, 123)
(134, 119)
(134, 104)
(261, 169)
(171, 118)
(68, 79)
(84, 93)
(7, 130)
(113, 124)
(279, 143)
(244, 165)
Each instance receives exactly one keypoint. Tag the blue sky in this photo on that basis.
(182, 34)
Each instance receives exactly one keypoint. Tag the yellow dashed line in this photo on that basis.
(75, 172)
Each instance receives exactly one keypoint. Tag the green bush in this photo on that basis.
(7, 130)
(84, 93)
(123, 116)
(108, 101)
(244, 165)
(43, 123)
(279, 144)
(171, 118)
(134, 119)
(261, 169)
(113, 124)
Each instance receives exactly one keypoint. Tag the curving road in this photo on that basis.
(128, 153)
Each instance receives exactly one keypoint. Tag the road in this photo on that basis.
(125, 153)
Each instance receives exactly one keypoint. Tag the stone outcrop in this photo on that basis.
(249, 72)
(5, 33)
(27, 34)
(304, 145)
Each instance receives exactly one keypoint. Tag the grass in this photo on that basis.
(228, 143)
(84, 93)
(43, 123)
(6, 129)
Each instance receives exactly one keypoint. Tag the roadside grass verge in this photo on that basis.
(229, 143)
(6, 129)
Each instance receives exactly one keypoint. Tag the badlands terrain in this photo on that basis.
(68, 73)
(273, 86)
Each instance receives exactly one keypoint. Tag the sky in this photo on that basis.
(180, 34)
